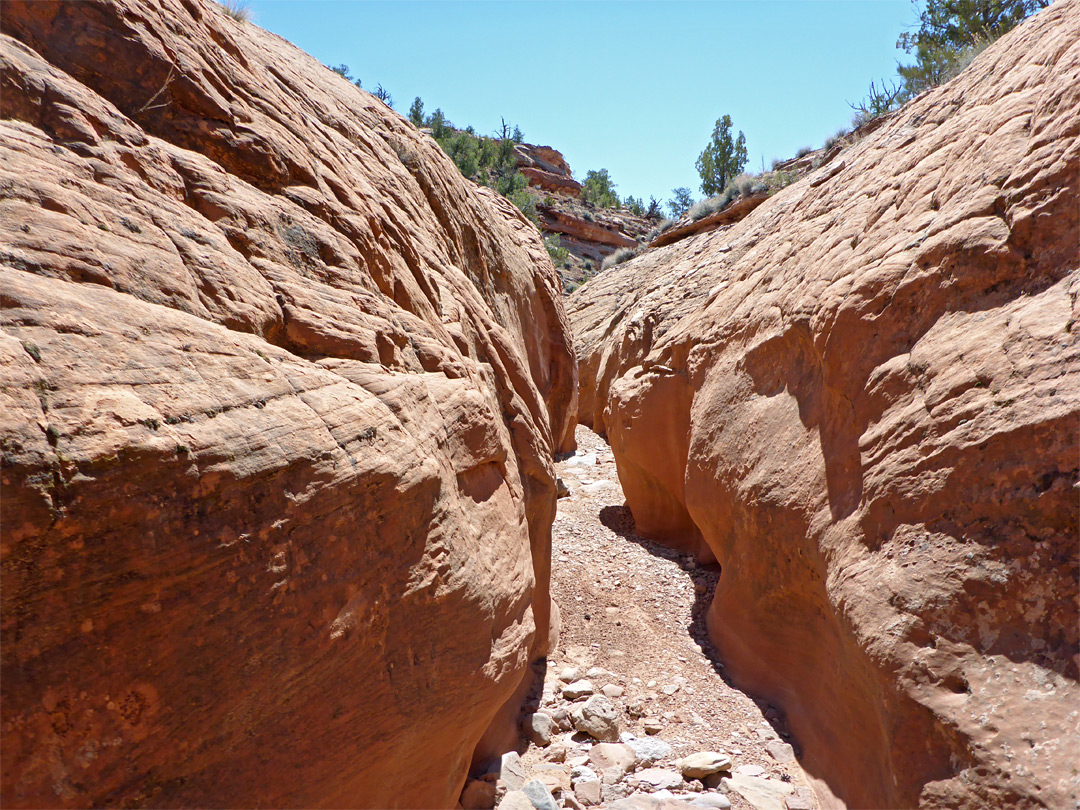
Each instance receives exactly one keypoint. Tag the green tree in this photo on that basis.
(599, 190)
(555, 250)
(950, 32)
(440, 126)
(722, 159)
(634, 205)
(416, 112)
(343, 72)
(681, 202)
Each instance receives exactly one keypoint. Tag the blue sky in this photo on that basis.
(633, 87)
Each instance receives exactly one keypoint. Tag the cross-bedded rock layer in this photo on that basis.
(863, 401)
(280, 396)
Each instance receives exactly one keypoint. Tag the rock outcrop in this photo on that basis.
(280, 396)
(686, 226)
(546, 169)
(590, 233)
(863, 401)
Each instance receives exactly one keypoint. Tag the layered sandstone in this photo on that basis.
(863, 400)
(588, 232)
(734, 212)
(281, 392)
(546, 169)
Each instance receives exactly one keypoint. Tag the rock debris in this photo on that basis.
(632, 710)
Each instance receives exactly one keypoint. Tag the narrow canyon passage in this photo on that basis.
(633, 626)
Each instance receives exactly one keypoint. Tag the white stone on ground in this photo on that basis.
(511, 770)
(577, 689)
(704, 763)
(762, 794)
(714, 800)
(539, 728)
(649, 750)
(780, 751)
(659, 778)
(539, 795)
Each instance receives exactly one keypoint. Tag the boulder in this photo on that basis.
(714, 800)
(539, 795)
(588, 791)
(781, 751)
(281, 393)
(510, 770)
(704, 763)
(612, 760)
(538, 728)
(577, 689)
(649, 750)
(568, 674)
(759, 792)
(598, 718)
(861, 400)
(478, 794)
(659, 778)
(515, 800)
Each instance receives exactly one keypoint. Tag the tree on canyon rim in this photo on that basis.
(722, 159)
(951, 32)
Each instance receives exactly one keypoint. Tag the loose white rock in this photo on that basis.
(714, 800)
(577, 689)
(539, 728)
(659, 778)
(539, 795)
(649, 750)
(704, 763)
(511, 770)
(780, 751)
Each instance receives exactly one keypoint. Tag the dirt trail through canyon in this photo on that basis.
(636, 610)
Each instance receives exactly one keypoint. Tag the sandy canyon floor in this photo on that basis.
(636, 610)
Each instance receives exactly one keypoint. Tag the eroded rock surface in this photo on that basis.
(280, 396)
(863, 400)
(546, 169)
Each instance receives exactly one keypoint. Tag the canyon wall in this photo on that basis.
(280, 396)
(863, 401)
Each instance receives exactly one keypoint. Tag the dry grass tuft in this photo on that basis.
(239, 10)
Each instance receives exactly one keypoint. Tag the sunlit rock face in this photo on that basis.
(280, 395)
(863, 401)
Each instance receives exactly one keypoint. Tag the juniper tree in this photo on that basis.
(416, 112)
(722, 159)
(950, 32)
(681, 202)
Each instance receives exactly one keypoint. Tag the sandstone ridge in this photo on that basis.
(281, 393)
(862, 400)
